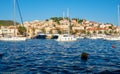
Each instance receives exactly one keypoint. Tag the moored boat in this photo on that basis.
(13, 39)
(40, 36)
(66, 38)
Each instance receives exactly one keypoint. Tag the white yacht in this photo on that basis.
(66, 38)
(15, 37)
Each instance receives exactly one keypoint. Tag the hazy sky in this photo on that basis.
(104, 11)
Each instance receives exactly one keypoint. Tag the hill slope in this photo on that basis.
(7, 22)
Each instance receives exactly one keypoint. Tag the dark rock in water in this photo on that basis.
(84, 56)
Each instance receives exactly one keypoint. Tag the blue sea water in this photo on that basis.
(52, 57)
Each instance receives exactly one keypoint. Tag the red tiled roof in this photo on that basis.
(11, 27)
(94, 28)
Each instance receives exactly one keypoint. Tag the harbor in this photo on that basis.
(60, 37)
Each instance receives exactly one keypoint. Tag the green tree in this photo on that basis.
(88, 33)
(50, 32)
(99, 32)
(83, 31)
(80, 21)
(115, 32)
(110, 32)
(22, 30)
(33, 31)
(105, 32)
(94, 32)
(46, 20)
(43, 30)
(110, 27)
(59, 31)
(56, 19)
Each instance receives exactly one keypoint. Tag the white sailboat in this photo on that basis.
(15, 37)
(66, 37)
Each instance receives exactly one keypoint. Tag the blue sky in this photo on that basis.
(104, 11)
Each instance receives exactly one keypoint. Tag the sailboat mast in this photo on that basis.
(67, 12)
(68, 21)
(15, 17)
(118, 15)
(63, 15)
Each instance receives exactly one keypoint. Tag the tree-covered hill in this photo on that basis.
(7, 22)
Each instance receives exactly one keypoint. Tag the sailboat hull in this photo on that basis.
(66, 38)
(13, 39)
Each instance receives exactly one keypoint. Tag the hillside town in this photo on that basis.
(59, 25)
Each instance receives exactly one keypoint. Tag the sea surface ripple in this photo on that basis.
(52, 57)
